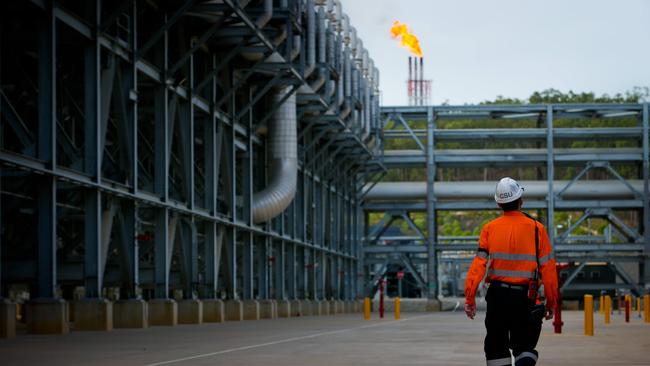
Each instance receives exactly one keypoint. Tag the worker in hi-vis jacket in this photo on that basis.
(520, 256)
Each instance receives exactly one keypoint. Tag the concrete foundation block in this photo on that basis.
(357, 306)
(234, 310)
(334, 307)
(93, 314)
(251, 310)
(268, 309)
(331, 304)
(319, 307)
(296, 308)
(213, 311)
(190, 311)
(349, 307)
(48, 316)
(131, 314)
(307, 309)
(7, 319)
(284, 309)
(163, 312)
(340, 307)
(433, 305)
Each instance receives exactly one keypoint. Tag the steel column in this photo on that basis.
(432, 262)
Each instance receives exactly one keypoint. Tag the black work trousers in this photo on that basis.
(510, 327)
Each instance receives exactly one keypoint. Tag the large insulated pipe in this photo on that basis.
(604, 189)
(317, 84)
(266, 15)
(283, 159)
(311, 38)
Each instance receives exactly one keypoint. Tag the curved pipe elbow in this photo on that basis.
(283, 149)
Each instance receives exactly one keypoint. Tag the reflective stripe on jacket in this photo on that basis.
(508, 242)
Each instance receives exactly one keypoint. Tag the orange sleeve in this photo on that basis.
(548, 268)
(477, 270)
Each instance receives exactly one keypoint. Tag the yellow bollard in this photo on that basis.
(608, 308)
(601, 304)
(397, 308)
(366, 308)
(589, 315)
(646, 308)
(638, 306)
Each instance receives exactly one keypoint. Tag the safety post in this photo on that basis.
(381, 298)
(608, 308)
(627, 298)
(397, 308)
(589, 315)
(601, 304)
(646, 308)
(638, 306)
(366, 308)
(557, 321)
(627, 309)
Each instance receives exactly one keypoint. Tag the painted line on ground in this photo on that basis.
(281, 341)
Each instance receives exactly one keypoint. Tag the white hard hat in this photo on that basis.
(508, 190)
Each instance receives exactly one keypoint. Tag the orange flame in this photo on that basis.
(408, 39)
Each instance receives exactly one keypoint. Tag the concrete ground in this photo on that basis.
(446, 338)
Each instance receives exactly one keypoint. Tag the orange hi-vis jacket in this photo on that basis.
(509, 243)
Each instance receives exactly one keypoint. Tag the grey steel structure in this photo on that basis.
(595, 198)
(212, 147)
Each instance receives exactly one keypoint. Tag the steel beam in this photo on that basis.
(432, 263)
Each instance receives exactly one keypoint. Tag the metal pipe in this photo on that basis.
(421, 81)
(595, 189)
(283, 157)
(311, 39)
(317, 84)
(266, 15)
(295, 51)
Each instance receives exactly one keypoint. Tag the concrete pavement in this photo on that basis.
(446, 338)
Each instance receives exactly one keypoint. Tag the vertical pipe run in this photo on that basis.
(589, 315)
(415, 76)
(409, 82)
(421, 81)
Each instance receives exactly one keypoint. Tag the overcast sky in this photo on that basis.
(475, 50)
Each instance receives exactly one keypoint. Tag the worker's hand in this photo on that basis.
(470, 310)
(548, 315)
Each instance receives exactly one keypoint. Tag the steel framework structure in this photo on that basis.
(133, 137)
(595, 198)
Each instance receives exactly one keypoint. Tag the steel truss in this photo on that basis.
(634, 243)
(132, 142)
